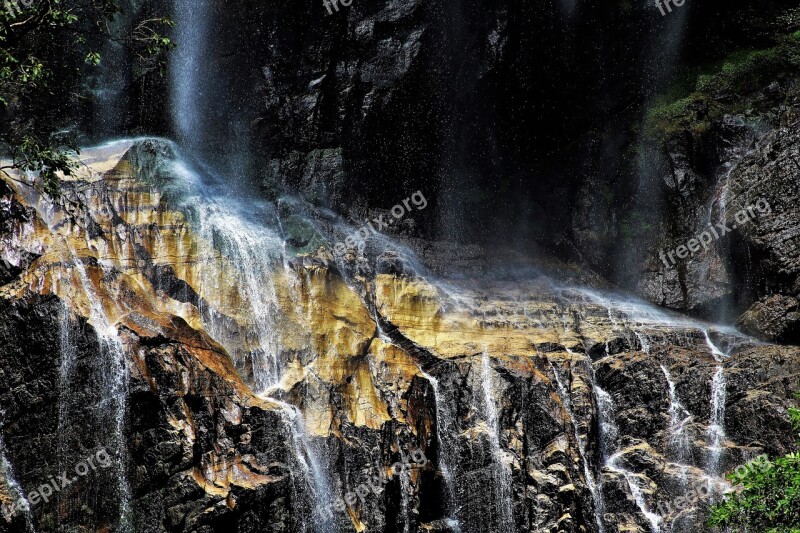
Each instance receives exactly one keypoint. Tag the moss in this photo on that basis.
(725, 87)
(667, 117)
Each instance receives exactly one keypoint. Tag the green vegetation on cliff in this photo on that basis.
(770, 498)
(46, 48)
(731, 86)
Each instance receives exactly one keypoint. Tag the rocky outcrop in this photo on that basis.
(142, 316)
(731, 178)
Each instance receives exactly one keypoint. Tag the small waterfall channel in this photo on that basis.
(716, 427)
(502, 488)
(446, 433)
(115, 390)
(595, 488)
(82, 282)
(245, 235)
(15, 493)
(631, 320)
(481, 433)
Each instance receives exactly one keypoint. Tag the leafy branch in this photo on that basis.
(769, 501)
(45, 48)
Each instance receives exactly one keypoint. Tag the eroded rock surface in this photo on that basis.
(242, 387)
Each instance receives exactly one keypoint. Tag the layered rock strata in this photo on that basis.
(249, 391)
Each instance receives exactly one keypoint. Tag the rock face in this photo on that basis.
(738, 183)
(237, 386)
(355, 107)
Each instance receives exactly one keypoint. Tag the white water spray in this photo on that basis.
(446, 451)
(595, 488)
(502, 478)
(716, 425)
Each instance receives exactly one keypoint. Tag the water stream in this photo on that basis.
(446, 431)
(244, 233)
(313, 518)
(716, 426)
(189, 72)
(15, 492)
(502, 489)
(595, 488)
(115, 389)
(613, 456)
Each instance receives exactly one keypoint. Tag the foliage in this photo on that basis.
(46, 47)
(769, 501)
(722, 88)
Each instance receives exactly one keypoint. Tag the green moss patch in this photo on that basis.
(728, 87)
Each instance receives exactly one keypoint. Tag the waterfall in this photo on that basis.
(248, 325)
(15, 492)
(115, 387)
(188, 72)
(679, 417)
(609, 432)
(595, 488)
(314, 476)
(211, 89)
(716, 424)
(447, 450)
(69, 354)
(502, 477)
(113, 364)
(629, 317)
(608, 436)
(254, 252)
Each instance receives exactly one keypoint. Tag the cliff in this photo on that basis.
(240, 383)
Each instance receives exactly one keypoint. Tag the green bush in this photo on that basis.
(46, 49)
(769, 496)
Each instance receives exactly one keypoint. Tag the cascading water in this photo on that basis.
(608, 435)
(306, 458)
(111, 410)
(679, 418)
(628, 317)
(609, 451)
(115, 388)
(502, 478)
(241, 232)
(188, 75)
(69, 354)
(17, 496)
(716, 426)
(254, 252)
(445, 430)
(595, 488)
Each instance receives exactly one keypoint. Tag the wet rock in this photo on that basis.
(775, 318)
(537, 406)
